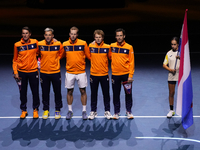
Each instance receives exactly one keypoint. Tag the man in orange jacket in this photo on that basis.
(98, 55)
(122, 56)
(26, 69)
(75, 65)
(51, 52)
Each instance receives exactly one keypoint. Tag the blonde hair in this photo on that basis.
(49, 29)
(74, 28)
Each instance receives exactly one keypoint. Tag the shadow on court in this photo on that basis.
(59, 133)
(173, 128)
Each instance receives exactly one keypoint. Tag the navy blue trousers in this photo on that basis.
(33, 80)
(46, 80)
(94, 84)
(116, 87)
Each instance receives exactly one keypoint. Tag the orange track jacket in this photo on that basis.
(75, 56)
(50, 56)
(24, 58)
(98, 54)
(122, 59)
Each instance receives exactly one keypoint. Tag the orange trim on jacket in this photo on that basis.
(98, 54)
(50, 56)
(75, 56)
(122, 57)
(24, 58)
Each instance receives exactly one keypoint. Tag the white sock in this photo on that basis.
(84, 107)
(70, 107)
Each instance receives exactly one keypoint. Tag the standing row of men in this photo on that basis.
(75, 50)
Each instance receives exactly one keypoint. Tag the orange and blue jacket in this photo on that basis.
(98, 54)
(50, 56)
(75, 56)
(122, 57)
(24, 58)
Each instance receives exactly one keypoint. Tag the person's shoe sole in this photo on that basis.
(130, 117)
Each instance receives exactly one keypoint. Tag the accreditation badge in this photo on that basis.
(127, 87)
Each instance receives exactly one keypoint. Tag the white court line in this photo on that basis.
(10, 117)
(169, 138)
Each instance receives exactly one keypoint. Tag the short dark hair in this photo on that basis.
(99, 32)
(176, 39)
(120, 30)
(27, 28)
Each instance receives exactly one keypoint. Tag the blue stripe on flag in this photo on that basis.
(187, 113)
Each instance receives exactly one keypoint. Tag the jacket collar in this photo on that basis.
(23, 42)
(100, 44)
(70, 41)
(121, 44)
(50, 42)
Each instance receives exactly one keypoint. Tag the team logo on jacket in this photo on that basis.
(124, 51)
(79, 47)
(113, 49)
(92, 50)
(66, 48)
(22, 48)
(104, 50)
(55, 47)
(32, 46)
(41, 48)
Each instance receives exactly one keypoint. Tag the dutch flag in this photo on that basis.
(185, 95)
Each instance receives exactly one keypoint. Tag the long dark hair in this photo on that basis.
(176, 39)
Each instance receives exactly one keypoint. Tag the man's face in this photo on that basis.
(48, 35)
(98, 38)
(73, 35)
(174, 45)
(119, 37)
(26, 35)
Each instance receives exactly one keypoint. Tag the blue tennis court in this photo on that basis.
(150, 129)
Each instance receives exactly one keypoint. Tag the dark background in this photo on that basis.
(149, 24)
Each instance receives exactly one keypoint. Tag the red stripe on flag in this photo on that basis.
(184, 41)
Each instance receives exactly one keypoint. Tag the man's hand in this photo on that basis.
(130, 80)
(93, 43)
(17, 76)
(55, 40)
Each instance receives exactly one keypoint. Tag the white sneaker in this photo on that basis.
(170, 114)
(116, 116)
(129, 115)
(108, 115)
(92, 115)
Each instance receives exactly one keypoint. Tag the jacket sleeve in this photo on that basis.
(131, 62)
(87, 53)
(37, 49)
(110, 53)
(15, 60)
(61, 52)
